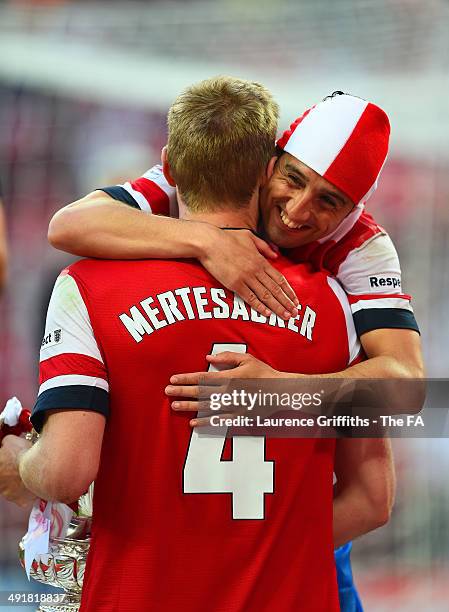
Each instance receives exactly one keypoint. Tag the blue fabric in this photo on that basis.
(367, 319)
(74, 397)
(349, 598)
(121, 195)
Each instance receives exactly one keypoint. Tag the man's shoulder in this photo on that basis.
(302, 273)
(364, 229)
(367, 240)
(101, 274)
(96, 278)
(90, 266)
(291, 268)
(87, 271)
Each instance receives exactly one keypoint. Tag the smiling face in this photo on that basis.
(299, 206)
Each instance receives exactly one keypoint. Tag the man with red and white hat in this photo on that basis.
(329, 165)
(329, 162)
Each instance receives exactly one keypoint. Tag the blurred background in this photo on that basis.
(84, 88)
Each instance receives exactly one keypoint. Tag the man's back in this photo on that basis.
(193, 522)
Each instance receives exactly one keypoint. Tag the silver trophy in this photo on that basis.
(63, 567)
(64, 564)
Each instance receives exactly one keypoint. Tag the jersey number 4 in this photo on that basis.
(248, 476)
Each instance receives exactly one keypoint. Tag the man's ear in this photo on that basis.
(166, 167)
(270, 168)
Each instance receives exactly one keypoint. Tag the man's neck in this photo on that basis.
(236, 218)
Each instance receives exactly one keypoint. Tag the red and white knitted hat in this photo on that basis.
(345, 140)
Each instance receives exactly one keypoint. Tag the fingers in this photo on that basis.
(227, 357)
(185, 406)
(204, 421)
(203, 393)
(267, 292)
(199, 422)
(251, 297)
(264, 296)
(194, 378)
(191, 391)
(201, 407)
(271, 295)
(264, 248)
(283, 284)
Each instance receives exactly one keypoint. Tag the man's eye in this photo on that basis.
(329, 202)
(295, 179)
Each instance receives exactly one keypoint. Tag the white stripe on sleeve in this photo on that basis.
(73, 379)
(139, 197)
(354, 346)
(385, 302)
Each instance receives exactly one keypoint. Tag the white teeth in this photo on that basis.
(288, 222)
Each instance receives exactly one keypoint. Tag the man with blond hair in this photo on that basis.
(164, 536)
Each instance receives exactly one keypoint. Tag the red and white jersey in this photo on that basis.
(359, 253)
(182, 520)
(362, 256)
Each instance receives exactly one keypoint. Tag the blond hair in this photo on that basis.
(221, 135)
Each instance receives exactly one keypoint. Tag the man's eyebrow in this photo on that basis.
(291, 168)
(335, 195)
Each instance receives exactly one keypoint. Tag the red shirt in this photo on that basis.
(179, 525)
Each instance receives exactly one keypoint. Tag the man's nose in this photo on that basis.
(299, 209)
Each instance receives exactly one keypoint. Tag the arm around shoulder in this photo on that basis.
(73, 227)
(102, 227)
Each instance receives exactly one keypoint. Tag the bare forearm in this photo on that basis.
(99, 226)
(45, 478)
(353, 517)
(54, 468)
(365, 488)
(32, 470)
(111, 230)
(393, 372)
(384, 366)
(391, 353)
(378, 395)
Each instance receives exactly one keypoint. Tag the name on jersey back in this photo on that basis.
(170, 307)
